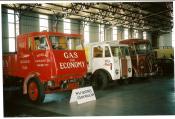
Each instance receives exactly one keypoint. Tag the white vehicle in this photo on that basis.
(108, 61)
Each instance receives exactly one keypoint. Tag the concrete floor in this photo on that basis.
(155, 96)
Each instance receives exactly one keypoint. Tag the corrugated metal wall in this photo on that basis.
(165, 40)
(140, 34)
(5, 45)
(29, 22)
(108, 34)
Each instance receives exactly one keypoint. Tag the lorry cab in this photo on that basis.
(107, 62)
(142, 56)
(47, 62)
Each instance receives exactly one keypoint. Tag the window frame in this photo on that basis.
(126, 33)
(101, 33)
(114, 29)
(67, 26)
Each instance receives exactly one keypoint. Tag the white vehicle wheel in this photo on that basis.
(99, 80)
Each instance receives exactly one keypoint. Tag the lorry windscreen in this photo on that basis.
(143, 48)
(119, 51)
(40, 43)
(64, 43)
(124, 50)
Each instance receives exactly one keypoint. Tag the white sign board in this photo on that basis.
(83, 95)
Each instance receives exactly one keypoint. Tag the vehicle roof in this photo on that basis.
(134, 41)
(50, 33)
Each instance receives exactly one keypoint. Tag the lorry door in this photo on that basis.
(102, 58)
(109, 63)
(123, 62)
(97, 60)
(24, 56)
(115, 51)
(42, 57)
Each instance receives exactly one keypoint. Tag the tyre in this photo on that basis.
(35, 91)
(100, 80)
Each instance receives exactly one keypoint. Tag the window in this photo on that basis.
(143, 48)
(98, 52)
(114, 33)
(124, 51)
(65, 43)
(107, 52)
(125, 33)
(13, 29)
(101, 33)
(115, 51)
(58, 43)
(136, 34)
(43, 22)
(86, 33)
(132, 50)
(67, 26)
(40, 43)
(144, 35)
(30, 45)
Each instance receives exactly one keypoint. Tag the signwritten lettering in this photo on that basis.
(83, 95)
(70, 55)
(72, 62)
(70, 65)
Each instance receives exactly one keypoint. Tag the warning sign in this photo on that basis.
(83, 95)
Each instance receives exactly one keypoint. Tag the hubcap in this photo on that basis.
(33, 91)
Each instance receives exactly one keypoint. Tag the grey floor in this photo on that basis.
(155, 96)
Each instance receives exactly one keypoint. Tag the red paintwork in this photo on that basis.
(141, 60)
(45, 64)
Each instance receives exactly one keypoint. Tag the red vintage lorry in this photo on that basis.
(45, 62)
(142, 57)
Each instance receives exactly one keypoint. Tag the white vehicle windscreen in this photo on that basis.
(118, 51)
(65, 43)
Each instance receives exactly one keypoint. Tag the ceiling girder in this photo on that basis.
(125, 14)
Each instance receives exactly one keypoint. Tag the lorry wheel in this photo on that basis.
(35, 91)
(100, 80)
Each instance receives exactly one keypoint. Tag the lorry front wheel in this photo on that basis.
(100, 80)
(35, 91)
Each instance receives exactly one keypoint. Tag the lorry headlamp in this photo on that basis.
(142, 67)
(50, 83)
(129, 69)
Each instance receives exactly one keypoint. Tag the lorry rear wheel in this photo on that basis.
(100, 80)
(35, 91)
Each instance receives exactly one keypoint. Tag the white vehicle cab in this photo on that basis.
(108, 61)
